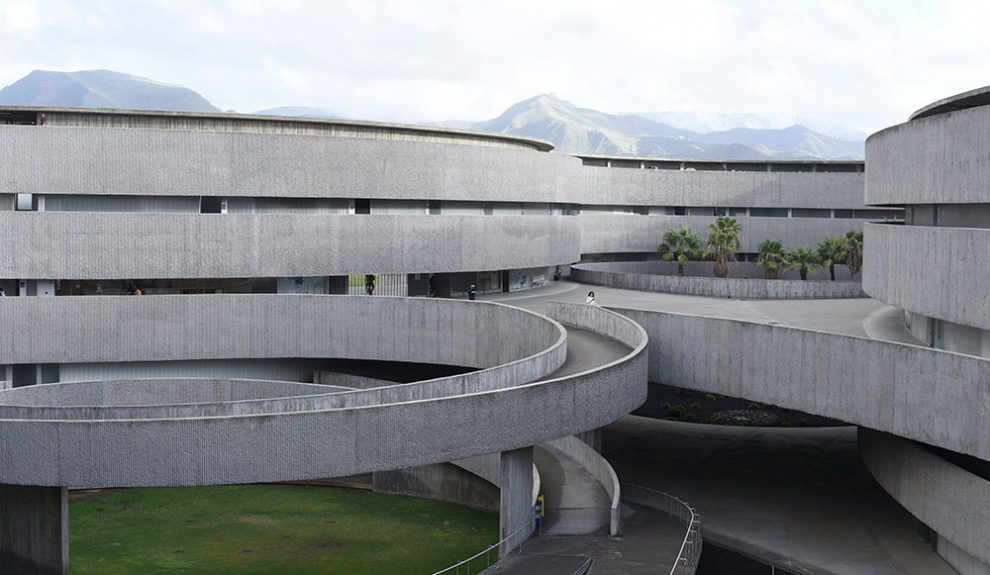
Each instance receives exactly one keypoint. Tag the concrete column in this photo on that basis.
(34, 530)
(516, 498)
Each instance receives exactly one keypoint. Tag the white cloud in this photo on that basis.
(843, 63)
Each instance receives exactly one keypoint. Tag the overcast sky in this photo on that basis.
(845, 64)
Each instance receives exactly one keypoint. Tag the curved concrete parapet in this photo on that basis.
(952, 501)
(968, 99)
(608, 274)
(722, 188)
(274, 445)
(138, 245)
(930, 160)
(935, 271)
(637, 233)
(599, 468)
(213, 162)
(156, 392)
(932, 396)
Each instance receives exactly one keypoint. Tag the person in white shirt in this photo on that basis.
(590, 300)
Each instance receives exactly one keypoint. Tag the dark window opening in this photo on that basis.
(362, 206)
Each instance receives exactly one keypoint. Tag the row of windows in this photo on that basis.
(223, 205)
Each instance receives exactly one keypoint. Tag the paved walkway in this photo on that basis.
(647, 547)
(799, 497)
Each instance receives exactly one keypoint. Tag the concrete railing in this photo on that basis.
(934, 271)
(951, 500)
(275, 444)
(599, 468)
(608, 274)
(929, 395)
(689, 553)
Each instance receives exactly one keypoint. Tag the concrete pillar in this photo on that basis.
(34, 530)
(516, 498)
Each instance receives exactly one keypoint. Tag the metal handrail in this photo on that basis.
(690, 552)
(466, 563)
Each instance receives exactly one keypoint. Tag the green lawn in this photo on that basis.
(269, 529)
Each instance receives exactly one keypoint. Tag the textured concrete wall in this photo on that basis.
(932, 396)
(636, 233)
(64, 160)
(34, 530)
(599, 468)
(936, 160)
(440, 482)
(91, 329)
(947, 498)
(69, 160)
(722, 188)
(126, 246)
(716, 287)
(316, 443)
(748, 270)
(157, 392)
(938, 272)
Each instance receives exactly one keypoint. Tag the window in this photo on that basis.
(768, 212)
(806, 213)
(25, 202)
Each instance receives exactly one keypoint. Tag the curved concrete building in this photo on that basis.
(934, 267)
(273, 218)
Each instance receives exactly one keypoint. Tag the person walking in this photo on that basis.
(590, 300)
(369, 284)
(433, 286)
(472, 292)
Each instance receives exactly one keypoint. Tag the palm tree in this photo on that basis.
(854, 251)
(723, 243)
(805, 260)
(680, 245)
(830, 251)
(772, 255)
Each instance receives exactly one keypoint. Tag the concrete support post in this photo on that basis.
(34, 530)
(516, 509)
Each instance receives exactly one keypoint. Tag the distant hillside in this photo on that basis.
(300, 111)
(584, 131)
(101, 89)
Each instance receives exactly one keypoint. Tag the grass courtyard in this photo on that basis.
(269, 529)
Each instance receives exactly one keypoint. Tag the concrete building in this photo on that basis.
(269, 218)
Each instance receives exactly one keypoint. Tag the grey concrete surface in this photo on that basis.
(441, 482)
(934, 160)
(706, 269)
(731, 287)
(934, 271)
(933, 396)
(149, 245)
(947, 498)
(799, 498)
(648, 547)
(576, 503)
(597, 467)
(292, 445)
(34, 530)
(266, 124)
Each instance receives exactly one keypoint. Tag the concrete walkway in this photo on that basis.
(576, 503)
(798, 497)
(648, 547)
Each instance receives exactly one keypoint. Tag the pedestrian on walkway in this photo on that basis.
(472, 292)
(590, 300)
(369, 284)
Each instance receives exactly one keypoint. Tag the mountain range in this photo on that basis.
(570, 128)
